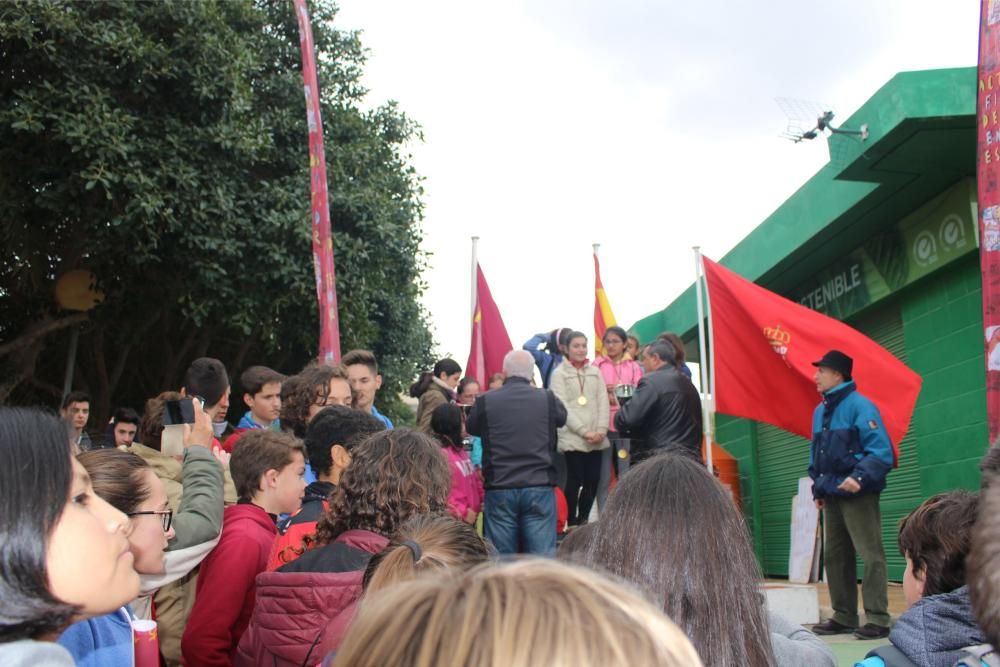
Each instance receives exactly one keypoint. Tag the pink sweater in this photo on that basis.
(626, 371)
(466, 485)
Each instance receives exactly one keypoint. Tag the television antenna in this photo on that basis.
(808, 120)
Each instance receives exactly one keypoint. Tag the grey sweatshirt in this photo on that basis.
(28, 653)
(794, 646)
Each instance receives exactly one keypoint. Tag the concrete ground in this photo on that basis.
(846, 648)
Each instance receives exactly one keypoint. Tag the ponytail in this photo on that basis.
(423, 382)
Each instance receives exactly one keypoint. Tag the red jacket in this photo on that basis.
(295, 605)
(224, 600)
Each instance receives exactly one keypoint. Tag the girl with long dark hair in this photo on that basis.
(64, 552)
(673, 531)
(465, 500)
(434, 389)
(582, 390)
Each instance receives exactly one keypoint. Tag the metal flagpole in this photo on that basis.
(706, 388)
(597, 340)
(475, 266)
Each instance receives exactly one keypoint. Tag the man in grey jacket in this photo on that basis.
(517, 424)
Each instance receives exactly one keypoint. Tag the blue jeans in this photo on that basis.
(521, 517)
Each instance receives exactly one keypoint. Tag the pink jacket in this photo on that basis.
(466, 485)
(626, 371)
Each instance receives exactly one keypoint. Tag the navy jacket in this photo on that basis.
(517, 424)
(545, 360)
(849, 440)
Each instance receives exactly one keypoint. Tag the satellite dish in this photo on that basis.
(808, 120)
(75, 290)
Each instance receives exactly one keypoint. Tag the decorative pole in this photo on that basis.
(707, 391)
(322, 238)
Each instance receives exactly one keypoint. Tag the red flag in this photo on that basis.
(490, 342)
(764, 348)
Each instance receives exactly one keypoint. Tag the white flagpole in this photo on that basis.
(475, 265)
(596, 246)
(706, 388)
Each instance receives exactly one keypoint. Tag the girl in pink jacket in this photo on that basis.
(466, 498)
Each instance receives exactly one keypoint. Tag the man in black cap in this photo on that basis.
(850, 457)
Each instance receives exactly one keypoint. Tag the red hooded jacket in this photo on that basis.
(296, 604)
(224, 598)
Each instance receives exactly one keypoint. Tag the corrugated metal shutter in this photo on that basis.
(783, 457)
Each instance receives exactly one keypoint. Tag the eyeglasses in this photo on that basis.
(167, 517)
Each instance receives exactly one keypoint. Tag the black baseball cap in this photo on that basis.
(836, 360)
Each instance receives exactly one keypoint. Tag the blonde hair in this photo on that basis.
(425, 543)
(525, 614)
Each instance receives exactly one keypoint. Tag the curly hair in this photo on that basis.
(300, 392)
(393, 475)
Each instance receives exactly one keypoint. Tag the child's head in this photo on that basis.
(262, 393)
(528, 613)
(425, 543)
(206, 377)
(446, 422)
(129, 485)
(332, 435)
(935, 539)
(268, 468)
(64, 551)
(984, 556)
(362, 370)
(317, 386)
(575, 544)
(393, 475)
(496, 381)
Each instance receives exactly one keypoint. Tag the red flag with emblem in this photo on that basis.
(764, 348)
(490, 342)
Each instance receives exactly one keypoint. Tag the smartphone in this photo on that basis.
(178, 412)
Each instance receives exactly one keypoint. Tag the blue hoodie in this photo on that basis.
(105, 641)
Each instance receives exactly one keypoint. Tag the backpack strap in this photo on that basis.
(977, 656)
(891, 656)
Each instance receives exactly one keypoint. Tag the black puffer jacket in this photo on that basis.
(664, 413)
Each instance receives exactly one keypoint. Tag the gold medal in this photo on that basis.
(582, 400)
(622, 454)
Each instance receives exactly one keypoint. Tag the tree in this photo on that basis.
(163, 147)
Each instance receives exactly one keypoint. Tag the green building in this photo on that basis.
(885, 238)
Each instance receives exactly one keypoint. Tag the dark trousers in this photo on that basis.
(853, 527)
(583, 474)
(523, 518)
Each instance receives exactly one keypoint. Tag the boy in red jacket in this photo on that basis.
(268, 470)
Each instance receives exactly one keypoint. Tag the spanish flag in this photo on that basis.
(603, 317)
(490, 342)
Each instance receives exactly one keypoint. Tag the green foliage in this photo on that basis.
(163, 146)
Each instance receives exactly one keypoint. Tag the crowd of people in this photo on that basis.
(315, 533)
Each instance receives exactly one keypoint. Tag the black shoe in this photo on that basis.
(871, 631)
(832, 627)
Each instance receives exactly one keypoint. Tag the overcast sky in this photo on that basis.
(647, 127)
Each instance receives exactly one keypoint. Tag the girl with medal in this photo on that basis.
(582, 390)
(621, 374)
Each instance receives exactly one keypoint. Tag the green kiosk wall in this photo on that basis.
(898, 224)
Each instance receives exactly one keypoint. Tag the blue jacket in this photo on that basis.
(105, 641)
(849, 440)
(545, 360)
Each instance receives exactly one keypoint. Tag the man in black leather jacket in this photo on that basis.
(665, 411)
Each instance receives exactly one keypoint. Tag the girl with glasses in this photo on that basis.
(164, 546)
